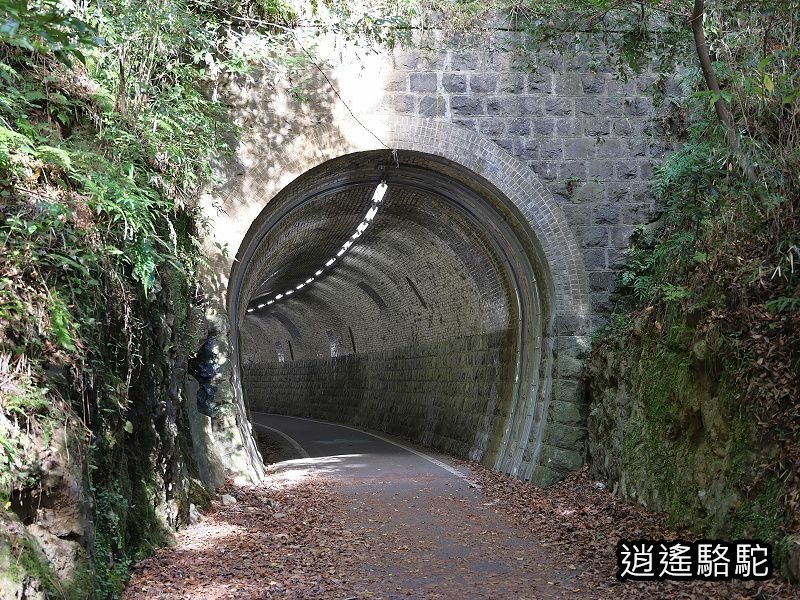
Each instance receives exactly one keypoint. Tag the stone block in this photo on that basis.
(600, 169)
(618, 87)
(483, 83)
(401, 103)
(616, 258)
(638, 107)
(397, 82)
(568, 127)
(567, 84)
(568, 367)
(511, 83)
(519, 126)
(602, 281)
(626, 170)
(492, 126)
(561, 459)
(592, 237)
(620, 236)
(594, 106)
(605, 214)
(540, 83)
(594, 258)
(454, 82)
(565, 390)
(601, 302)
(573, 414)
(543, 126)
(553, 63)
(465, 61)
(619, 192)
(406, 60)
(423, 82)
(593, 83)
(622, 127)
(544, 476)
(551, 149)
(470, 124)
(432, 106)
(504, 106)
(546, 170)
(635, 214)
(645, 170)
(577, 214)
(572, 170)
(564, 436)
(526, 148)
(567, 324)
(466, 105)
(579, 148)
(558, 107)
(596, 126)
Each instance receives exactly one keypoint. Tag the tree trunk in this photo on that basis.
(709, 74)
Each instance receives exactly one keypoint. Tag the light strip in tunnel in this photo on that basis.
(377, 198)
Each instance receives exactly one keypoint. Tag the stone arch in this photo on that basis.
(539, 443)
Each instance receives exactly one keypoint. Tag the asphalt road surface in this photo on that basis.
(433, 533)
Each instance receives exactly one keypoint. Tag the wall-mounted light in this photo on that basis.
(380, 192)
(377, 198)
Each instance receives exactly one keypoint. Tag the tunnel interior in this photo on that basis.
(398, 293)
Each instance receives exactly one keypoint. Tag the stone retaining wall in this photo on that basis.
(448, 395)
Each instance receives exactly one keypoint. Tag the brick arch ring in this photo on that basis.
(546, 265)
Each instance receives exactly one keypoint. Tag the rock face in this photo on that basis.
(659, 435)
(665, 431)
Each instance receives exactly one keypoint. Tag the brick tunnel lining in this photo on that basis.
(431, 352)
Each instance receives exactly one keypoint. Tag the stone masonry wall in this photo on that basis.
(585, 132)
(448, 395)
(518, 120)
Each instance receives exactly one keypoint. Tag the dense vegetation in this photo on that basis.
(106, 135)
(710, 294)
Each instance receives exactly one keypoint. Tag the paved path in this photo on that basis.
(432, 534)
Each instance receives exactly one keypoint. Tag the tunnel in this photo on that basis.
(403, 292)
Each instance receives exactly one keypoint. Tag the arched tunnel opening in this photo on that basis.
(404, 294)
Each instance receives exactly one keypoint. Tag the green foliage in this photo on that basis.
(43, 26)
(110, 557)
(715, 277)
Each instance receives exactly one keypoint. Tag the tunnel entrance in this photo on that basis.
(423, 293)
(396, 295)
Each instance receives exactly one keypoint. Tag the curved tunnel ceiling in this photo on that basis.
(439, 291)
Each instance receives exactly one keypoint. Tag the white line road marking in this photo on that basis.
(289, 439)
(435, 461)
